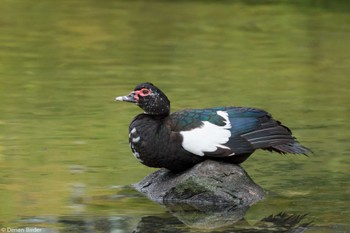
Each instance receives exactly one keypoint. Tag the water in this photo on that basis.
(65, 163)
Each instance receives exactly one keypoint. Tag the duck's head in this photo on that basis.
(148, 97)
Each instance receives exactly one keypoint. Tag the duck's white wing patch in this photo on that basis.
(134, 138)
(208, 137)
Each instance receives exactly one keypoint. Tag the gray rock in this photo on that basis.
(209, 182)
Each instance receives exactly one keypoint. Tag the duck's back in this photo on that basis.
(233, 132)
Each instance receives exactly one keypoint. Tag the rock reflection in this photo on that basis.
(207, 216)
(182, 220)
(281, 223)
(165, 223)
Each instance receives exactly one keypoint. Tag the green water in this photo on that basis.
(64, 153)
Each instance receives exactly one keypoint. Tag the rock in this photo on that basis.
(209, 182)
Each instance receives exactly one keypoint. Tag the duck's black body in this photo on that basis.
(179, 140)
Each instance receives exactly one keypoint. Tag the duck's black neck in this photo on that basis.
(162, 111)
(156, 116)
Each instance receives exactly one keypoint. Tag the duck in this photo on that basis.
(179, 140)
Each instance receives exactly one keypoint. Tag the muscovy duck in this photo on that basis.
(179, 140)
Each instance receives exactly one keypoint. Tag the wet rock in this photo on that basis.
(209, 182)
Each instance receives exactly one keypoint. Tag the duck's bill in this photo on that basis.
(128, 98)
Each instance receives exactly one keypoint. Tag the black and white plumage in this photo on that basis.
(179, 140)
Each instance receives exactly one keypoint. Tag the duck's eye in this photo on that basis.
(144, 92)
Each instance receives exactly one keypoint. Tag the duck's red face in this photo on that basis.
(142, 93)
(148, 97)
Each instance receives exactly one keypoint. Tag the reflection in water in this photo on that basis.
(178, 218)
(207, 216)
(94, 224)
(281, 222)
(77, 197)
